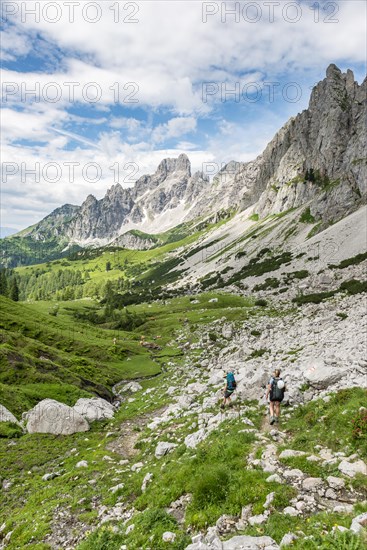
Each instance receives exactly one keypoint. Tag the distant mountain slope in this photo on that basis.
(318, 158)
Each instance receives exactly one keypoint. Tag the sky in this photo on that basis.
(98, 93)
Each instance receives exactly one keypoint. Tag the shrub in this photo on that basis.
(261, 302)
(342, 315)
(211, 488)
(10, 430)
(259, 352)
(359, 423)
(213, 336)
(355, 260)
(302, 274)
(255, 332)
(315, 298)
(270, 282)
(307, 217)
(353, 286)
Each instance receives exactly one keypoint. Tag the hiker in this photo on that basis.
(228, 389)
(275, 389)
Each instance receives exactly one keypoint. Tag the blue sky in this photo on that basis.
(113, 97)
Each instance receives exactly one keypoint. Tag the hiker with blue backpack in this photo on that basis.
(228, 389)
(276, 389)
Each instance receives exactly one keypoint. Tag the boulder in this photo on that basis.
(216, 378)
(321, 376)
(7, 416)
(192, 440)
(94, 408)
(335, 482)
(131, 387)
(50, 416)
(185, 401)
(359, 522)
(352, 468)
(163, 448)
(196, 387)
(312, 484)
(244, 542)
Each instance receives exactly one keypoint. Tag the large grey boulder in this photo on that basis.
(94, 408)
(7, 416)
(321, 376)
(50, 416)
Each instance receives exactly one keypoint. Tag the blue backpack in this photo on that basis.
(231, 382)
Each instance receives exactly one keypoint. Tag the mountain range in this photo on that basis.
(318, 159)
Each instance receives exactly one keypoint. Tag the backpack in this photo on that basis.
(231, 382)
(277, 394)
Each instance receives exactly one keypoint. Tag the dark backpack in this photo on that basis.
(277, 394)
(231, 382)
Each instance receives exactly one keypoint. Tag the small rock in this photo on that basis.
(294, 473)
(359, 522)
(137, 467)
(168, 536)
(147, 479)
(163, 448)
(288, 539)
(290, 511)
(343, 508)
(258, 520)
(269, 500)
(82, 464)
(336, 482)
(312, 484)
(114, 489)
(274, 477)
(352, 468)
(48, 477)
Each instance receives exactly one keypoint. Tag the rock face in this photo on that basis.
(50, 416)
(320, 154)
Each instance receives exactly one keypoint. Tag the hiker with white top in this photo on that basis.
(276, 389)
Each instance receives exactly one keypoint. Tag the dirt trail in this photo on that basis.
(129, 433)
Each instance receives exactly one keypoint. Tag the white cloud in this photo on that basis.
(175, 127)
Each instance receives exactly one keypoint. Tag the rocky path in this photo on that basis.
(312, 494)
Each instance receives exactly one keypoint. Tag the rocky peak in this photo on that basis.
(89, 201)
(170, 165)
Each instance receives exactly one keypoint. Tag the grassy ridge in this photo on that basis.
(46, 356)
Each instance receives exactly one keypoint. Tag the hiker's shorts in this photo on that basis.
(228, 393)
(275, 400)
